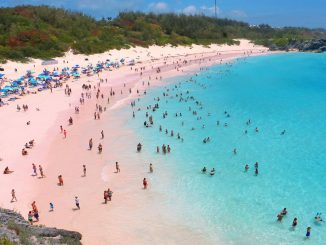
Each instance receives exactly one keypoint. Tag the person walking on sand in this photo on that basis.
(41, 171)
(145, 183)
(100, 148)
(13, 195)
(61, 129)
(36, 215)
(117, 167)
(84, 170)
(65, 133)
(51, 207)
(77, 202)
(151, 170)
(90, 144)
(106, 197)
(60, 180)
(102, 134)
(34, 206)
(34, 170)
(110, 193)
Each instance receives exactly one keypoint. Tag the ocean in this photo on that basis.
(284, 97)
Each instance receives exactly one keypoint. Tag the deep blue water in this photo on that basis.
(277, 92)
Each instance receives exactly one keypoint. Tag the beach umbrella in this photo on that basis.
(32, 82)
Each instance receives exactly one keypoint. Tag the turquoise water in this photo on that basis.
(278, 92)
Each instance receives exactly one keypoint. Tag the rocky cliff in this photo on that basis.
(14, 229)
(303, 46)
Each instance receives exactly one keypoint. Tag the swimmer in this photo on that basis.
(279, 217)
(318, 218)
(295, 222)
(284, 212)
(212, 172)
(246, 168)
(204, 170)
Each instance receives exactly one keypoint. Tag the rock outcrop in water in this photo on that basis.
(14, 229)
(305, 46)
(313, 45)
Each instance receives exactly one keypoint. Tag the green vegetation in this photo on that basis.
(45, 32)
(5, 241)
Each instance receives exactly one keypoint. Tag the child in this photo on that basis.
(51, 207)
(308, 232)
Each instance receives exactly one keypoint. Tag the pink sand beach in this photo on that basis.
(133, 216)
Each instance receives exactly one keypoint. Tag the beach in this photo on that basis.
(134, 215)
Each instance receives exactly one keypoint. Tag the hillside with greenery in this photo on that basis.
(45, 32)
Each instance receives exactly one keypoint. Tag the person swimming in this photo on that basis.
(318, 218)
(279, 217)
(204, 170)
(212, 172)
(246, 168)
(284, 211)
(294, 222)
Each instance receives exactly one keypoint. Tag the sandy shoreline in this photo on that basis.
(126, 219)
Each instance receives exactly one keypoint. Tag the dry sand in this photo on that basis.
(133, 217)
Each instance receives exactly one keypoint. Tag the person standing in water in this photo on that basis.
(294, 222)
(308, 232)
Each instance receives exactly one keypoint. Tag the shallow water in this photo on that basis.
(277, 92)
